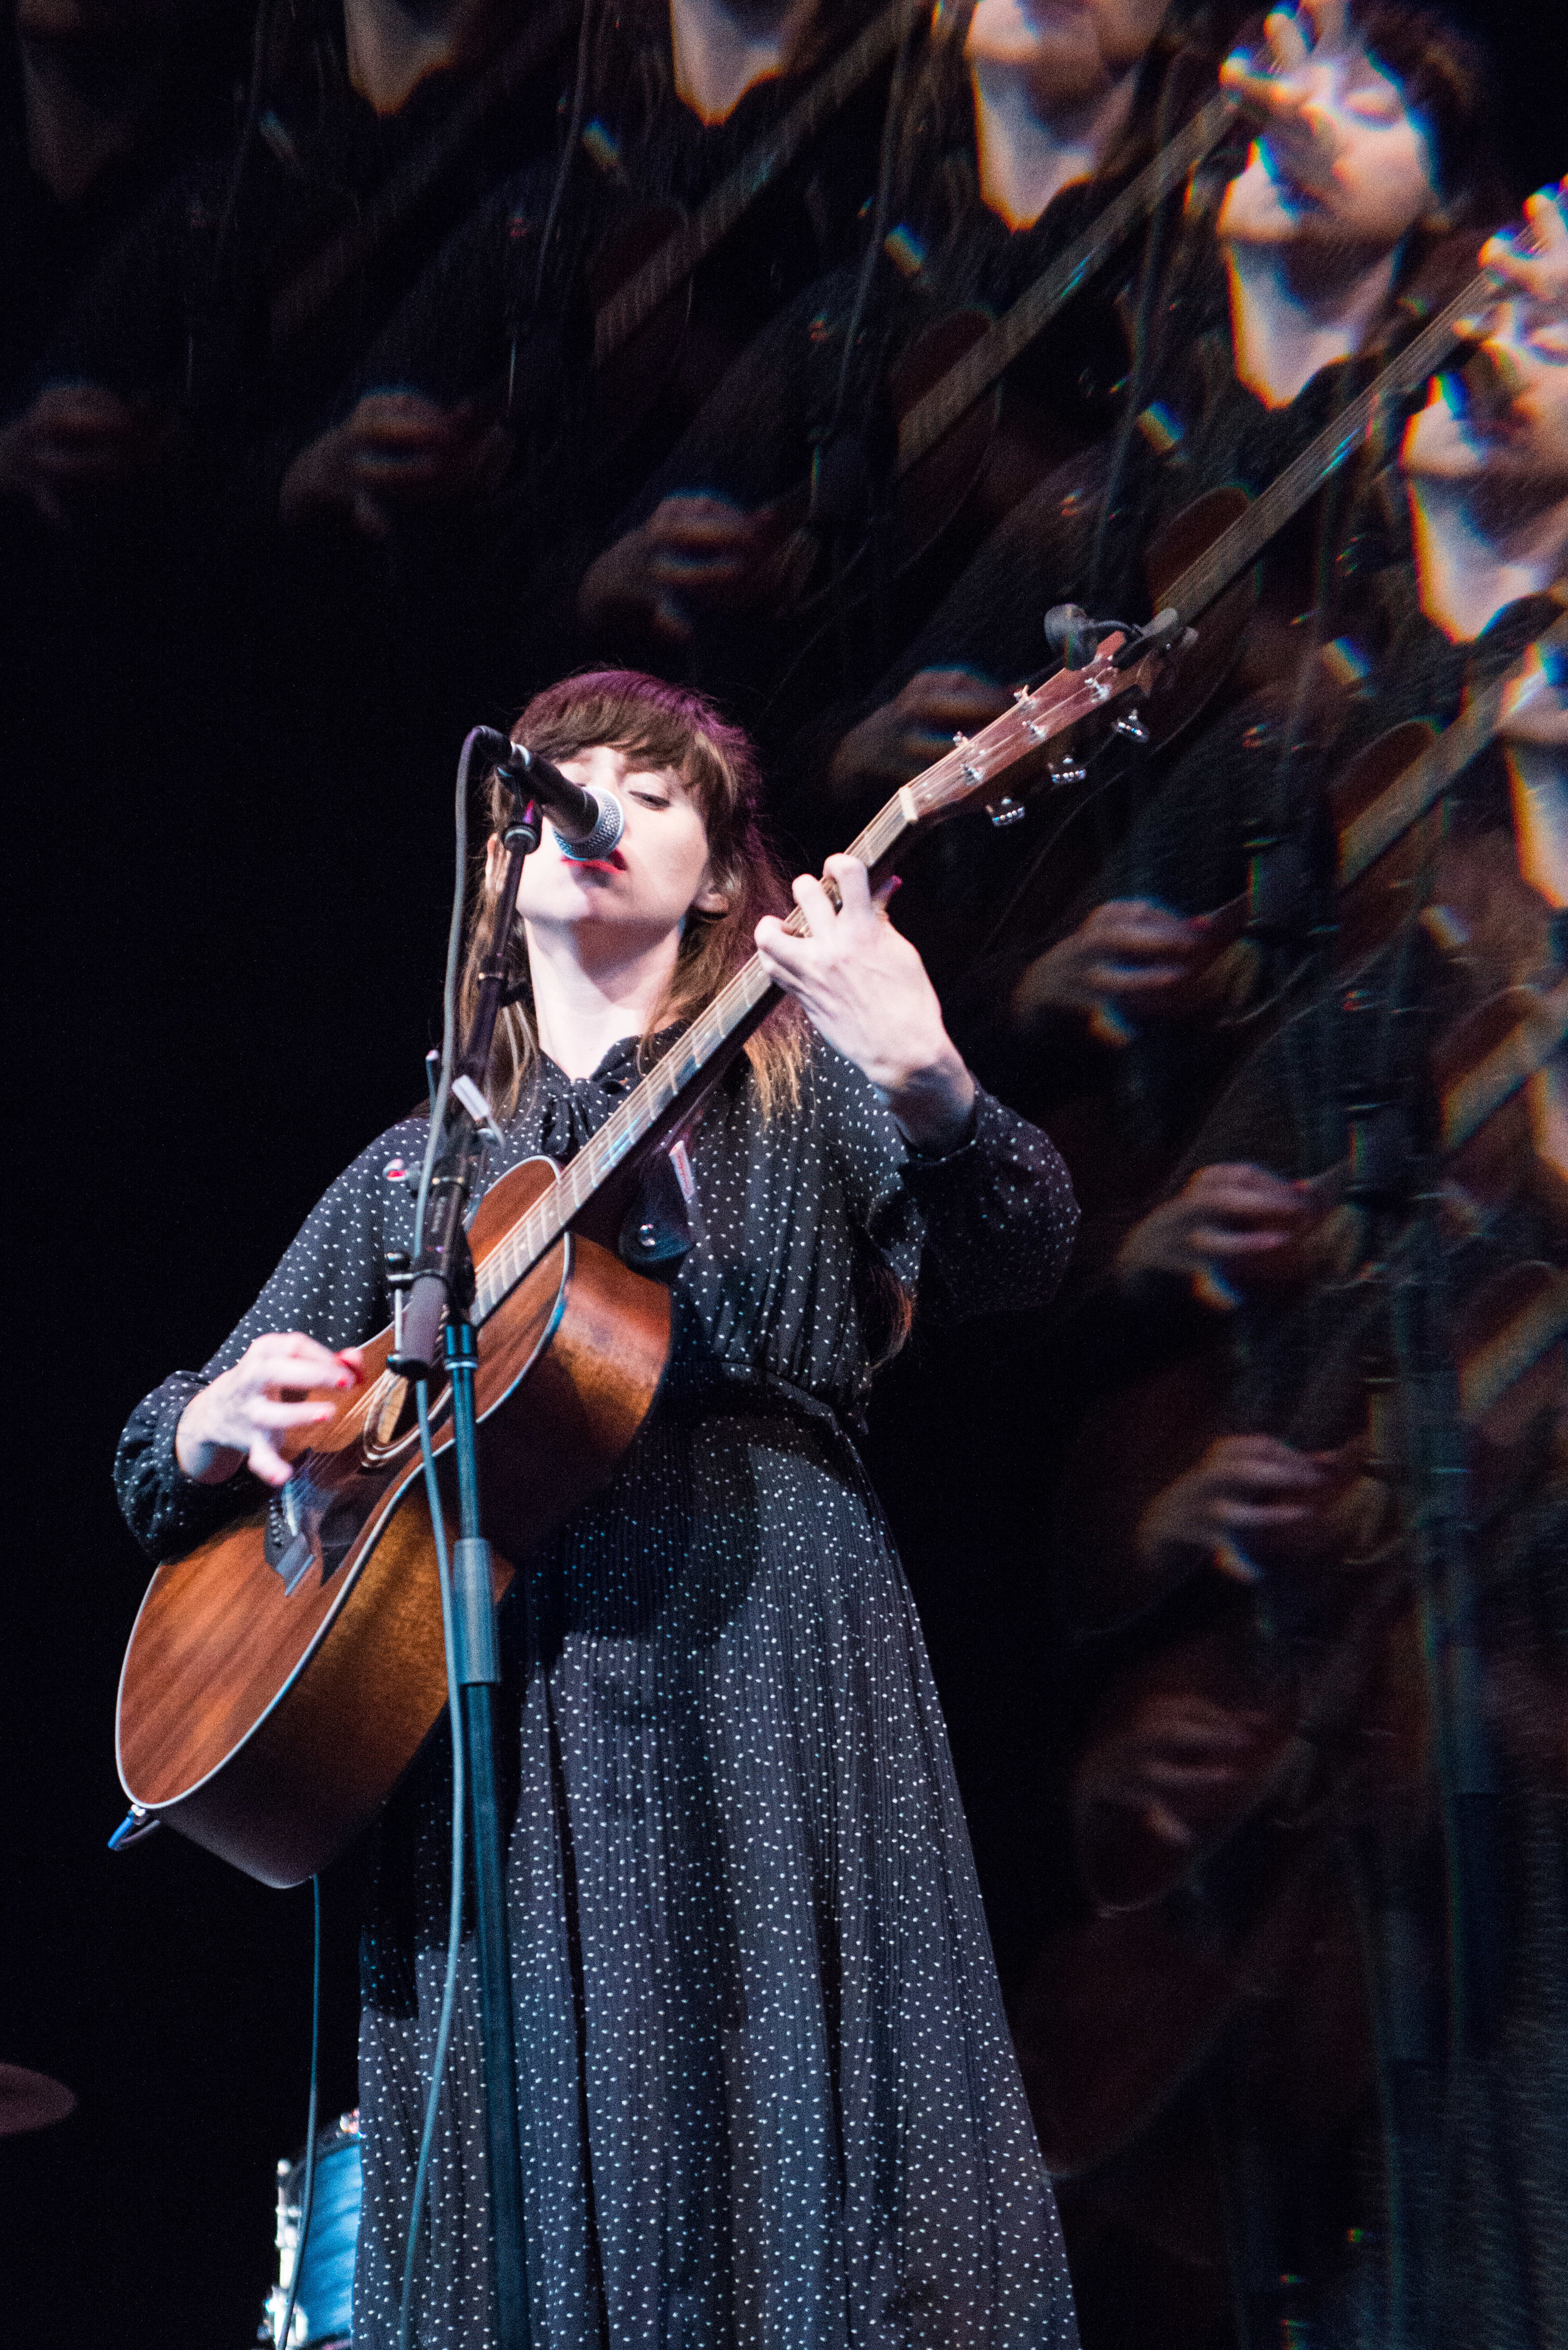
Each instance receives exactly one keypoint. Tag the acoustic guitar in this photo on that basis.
(282, 1676)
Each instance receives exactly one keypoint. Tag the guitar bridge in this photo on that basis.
(287, 1545)
(295, 1563)
(308, 1524)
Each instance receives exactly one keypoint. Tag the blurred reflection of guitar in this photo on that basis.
(968, 446)
(1202, 561)
(1124, 2006)
(640, 280)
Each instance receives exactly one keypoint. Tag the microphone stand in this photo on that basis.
(441, 1282)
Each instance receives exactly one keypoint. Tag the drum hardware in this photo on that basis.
(323, 2308)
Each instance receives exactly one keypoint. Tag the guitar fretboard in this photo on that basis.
(1427, 778)
(956, 392)
(1239, 547)
(640, 296)
(1034, 720)
(1531, 1045)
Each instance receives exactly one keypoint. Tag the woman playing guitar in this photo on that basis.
(769, 2095)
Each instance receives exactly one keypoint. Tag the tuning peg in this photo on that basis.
(1063, 772)
(1133, 727)
(1005, 811)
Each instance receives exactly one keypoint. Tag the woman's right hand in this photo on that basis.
(695, 554)
(1223, 1221)
(236, 1421)
(1119, 962)
(1247, 1493)
(74, 440)
(396, 451)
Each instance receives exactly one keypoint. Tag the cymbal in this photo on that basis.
(30, 2101)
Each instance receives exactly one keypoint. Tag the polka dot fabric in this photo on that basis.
(768, 2097)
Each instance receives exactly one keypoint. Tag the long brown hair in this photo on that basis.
(658, 727)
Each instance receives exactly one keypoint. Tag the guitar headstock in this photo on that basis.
(977, 764)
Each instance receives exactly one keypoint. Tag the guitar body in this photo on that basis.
(282, 1677)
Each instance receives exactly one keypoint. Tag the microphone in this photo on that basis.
(586, 822)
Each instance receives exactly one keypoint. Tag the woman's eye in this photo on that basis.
(1371, 104)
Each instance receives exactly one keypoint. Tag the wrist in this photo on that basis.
(932, 1105)
(199, 1457)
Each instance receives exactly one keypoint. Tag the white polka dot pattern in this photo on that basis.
(768, 2097)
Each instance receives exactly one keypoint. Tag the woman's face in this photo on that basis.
(1347, 163)
(1504, 416)
(651, 881)
(1073, 51)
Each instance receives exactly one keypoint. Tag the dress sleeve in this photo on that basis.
(986, 1228)
(329, 1285)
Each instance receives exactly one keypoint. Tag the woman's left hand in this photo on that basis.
(863, 986)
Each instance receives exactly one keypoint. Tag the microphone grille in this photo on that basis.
(605, 835)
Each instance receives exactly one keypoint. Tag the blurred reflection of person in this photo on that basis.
(1013, 136)
(492, 347)
(1349, 214)
(115, 101)
(176, 353)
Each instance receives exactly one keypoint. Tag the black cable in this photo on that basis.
(449, 993)
(443, 1563)
(569, 151)
(259, 35)
(308, 2199)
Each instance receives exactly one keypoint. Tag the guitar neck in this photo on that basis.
(669, 1095)
(307, 294)
(1237, 549)
(1530, 1045)
(675, 260)
(1425, 779)
(956, 392)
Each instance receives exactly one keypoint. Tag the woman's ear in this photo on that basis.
(494, 862)
(711, 899)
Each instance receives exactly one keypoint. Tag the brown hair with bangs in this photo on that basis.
(657, 727)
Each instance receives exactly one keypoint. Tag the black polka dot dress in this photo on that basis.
(768, 2099)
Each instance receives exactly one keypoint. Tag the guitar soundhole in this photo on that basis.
(391, 1424)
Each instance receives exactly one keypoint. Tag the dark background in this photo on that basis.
(225, 930)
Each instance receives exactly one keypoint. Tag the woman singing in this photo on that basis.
(768, 2097)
